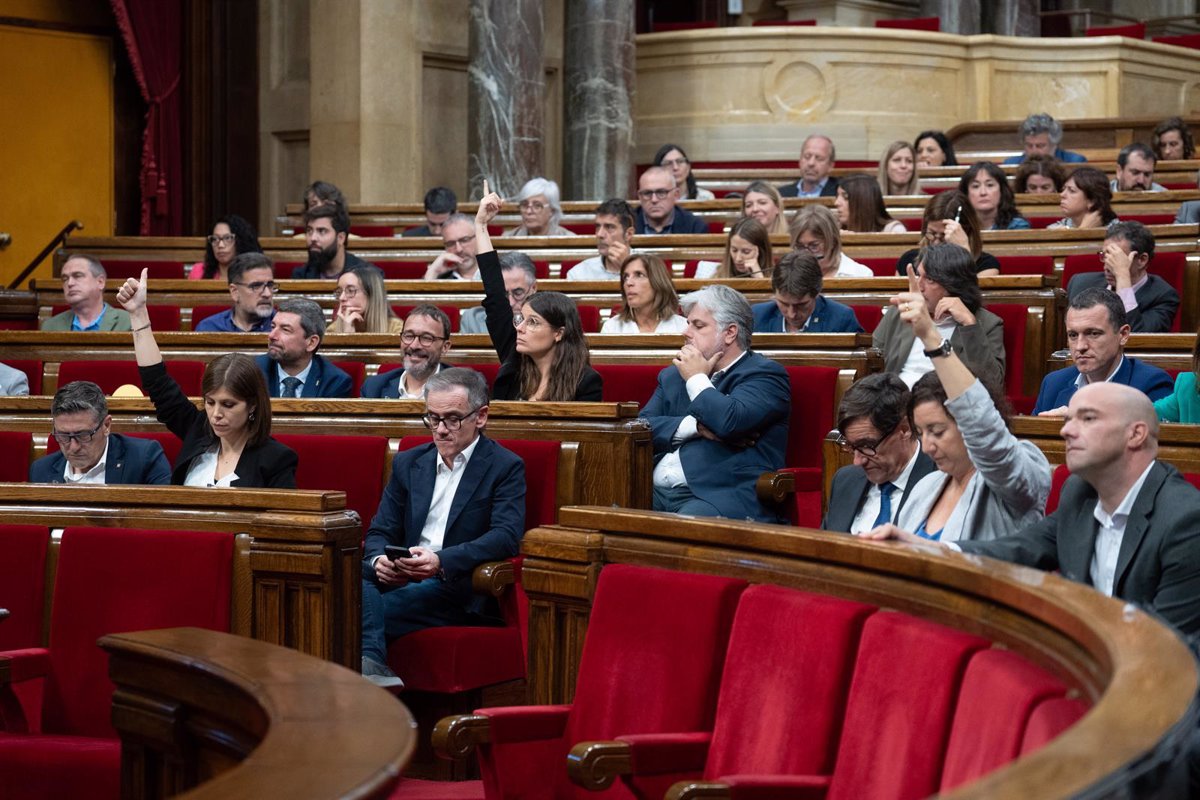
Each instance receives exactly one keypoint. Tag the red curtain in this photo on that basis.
(153, 34)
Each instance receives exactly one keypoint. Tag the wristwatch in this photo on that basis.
(942, 349)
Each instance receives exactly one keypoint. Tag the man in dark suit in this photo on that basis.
(1150, 302)
(1126, 523)
(291, 366)
(455, 504)
(719, 416)
(888, 461)
(657, 213)
(798, 305)
(426, 339)
(88, 450)
(817, 157)
(1096, 334)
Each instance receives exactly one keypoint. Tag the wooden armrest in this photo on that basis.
(493, 577)
(457, 736)
(693, 790)
(774, 487)
(595, 765)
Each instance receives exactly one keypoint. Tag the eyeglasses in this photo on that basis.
(448, 243)
(258, 286)
(865, 449)
(426, 339)
(82, 437)
(517, 294)
(656, 194)
(532, 205)
(530, 323)
(346, 291)
(452, 423)
(673, 162)
(816, 248)
(227, 238)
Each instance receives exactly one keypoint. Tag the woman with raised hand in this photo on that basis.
(648, 300)
(542, 352)
(362, 303)
(228, 443)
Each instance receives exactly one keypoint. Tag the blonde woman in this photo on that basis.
(898, 170)
(362, 303)
(747, 253)
(763, 203)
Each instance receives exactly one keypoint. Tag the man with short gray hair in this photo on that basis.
(88, 450)
(1040, 135)
(719, 417)
(520, 283)
(291, 366)
(83, 279)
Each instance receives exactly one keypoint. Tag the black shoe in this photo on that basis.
(380, 674)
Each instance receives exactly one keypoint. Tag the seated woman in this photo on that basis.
(763, 203)
(947, 282)
(1086, 200)
(540, 210)
(988, 483)
(747, 253)
(815, 229)
(230, 237)
(934, 150)
(228, 443)
(950, 218)
(673, 158)
(898, 170)
(986, 188)
(542, 352)
(1172, 141)
(362, 303)
(1039, 175)
(1183, 404)
(648, 300)
(860, 207)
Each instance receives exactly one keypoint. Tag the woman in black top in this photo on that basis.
(542, 352)
(227, 444)
(950, 218)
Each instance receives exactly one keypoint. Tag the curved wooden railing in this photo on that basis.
(219, 716)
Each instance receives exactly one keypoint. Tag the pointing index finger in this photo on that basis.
(486, 191)
(912, 279)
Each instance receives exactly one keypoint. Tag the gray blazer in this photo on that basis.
(1188, 212)
(1009, 488)
(473, 320)
(980, 346)
(12, 381)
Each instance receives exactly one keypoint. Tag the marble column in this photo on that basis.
(598, 91)
(1016, 18)
(506, 80)
(957, 16)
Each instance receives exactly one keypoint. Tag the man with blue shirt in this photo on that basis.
(83, 280)
(1040, 136)
(658, 213)
(1096, 334)
(252, 288)
(798, 305)
(816, 162)
(291, 366)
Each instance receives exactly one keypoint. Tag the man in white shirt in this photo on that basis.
(614, 239)
(453, 504)
(1126, 523)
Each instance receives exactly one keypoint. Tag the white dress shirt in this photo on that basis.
(1103, 569)
(203, 470)
(865, 518)
(445, 485)
(591, 269)
(97, 474)
(918, 363)
(668, 472)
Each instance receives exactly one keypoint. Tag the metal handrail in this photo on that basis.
(47, 250)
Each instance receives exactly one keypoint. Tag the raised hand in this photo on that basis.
(954, 234)
(1120, 264)
(956, 308)
(690, 361)
(132, 294)
(915, 312)
(489, 206)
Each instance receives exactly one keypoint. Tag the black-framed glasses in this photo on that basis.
(426, 339)
(658, 194)
(258, 286)
(865, 449)
(452, 422)
(463, 242)
(81, 437)
(224, 238)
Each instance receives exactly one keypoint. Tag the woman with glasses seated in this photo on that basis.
(950, 218)
(542, 352)
(228, 443)
(540, 210)
(648, 300)
(230, 237)
(815, 229)
(362, 303)
(988, 483)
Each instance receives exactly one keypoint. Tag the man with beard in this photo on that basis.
(252, 287)
(426, 339)
(458, 262)
(291, 366)
(326, 228)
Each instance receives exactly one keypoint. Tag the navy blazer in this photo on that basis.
(1059, 386)
(849, 492)
(324, 379)
(1156, 301)
(386, 385)
(828, 316)
(130, 460)
(684, 221)
(752, 398)
(487, 516)
(793, 189)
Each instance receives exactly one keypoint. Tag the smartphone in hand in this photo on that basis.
(395, 551)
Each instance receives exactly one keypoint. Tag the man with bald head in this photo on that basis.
(1126, 523)
(657, 213)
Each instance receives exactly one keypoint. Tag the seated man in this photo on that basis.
(327, 229)
(291, 364)
(614, 238)
(252, 288)
(1135, 170)
(817, 157)
(1040, 135)
(658, 213)
(1125, 524)
(426, 338)
(888, 460)
(13, 382)
(719, 416)
(1150, 302)
(440, 203)
(520, 283)
(83, 280)
(454, 504)
(1096, 334)
(458, 262)
(799, 306)
(89, 452)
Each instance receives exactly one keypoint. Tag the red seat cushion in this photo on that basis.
(1026, 265)
(812, 413)
(56, 767)
(628, 383)
(109, 375)
(417, 789)
(882, 267)
(22, 583)
(589, 318)
(915, 24)
(402, 270)
(1135, 31)
(201, 312)
(17, 447)
(351, 464)
(1057, 479)
(868, 316)
(456, 659)
(32, 369)
(1191, 40)
(164, 317)
(357, 371)
(118, 271)
(1049, 719)
(1014, 317)
(373, 231)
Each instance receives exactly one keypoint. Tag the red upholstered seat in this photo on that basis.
(1014, 317)
(373, 231)
(798, 22)
(651, 663)
(999, 692)
(868, 316)
(915, 24)
(882, 267)
(1057, 479)
(352, 464)
(1135, 31)
(630, 383)
(1049, 719)
(118, 271)
(32, 369)
(541, 268)
(580, 228)
(109, 375)
(453, 312)
(1166, 218)
(22, 583)
(1191, 40)
(17, 450)
(402, 270)
(589, 318)
(1041, 222)
(416, 789)
(201, 312)
(357, 371)
(55, 767)
(813, 414)
(1027, 265)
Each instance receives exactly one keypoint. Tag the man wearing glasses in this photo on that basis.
(888, 462)
(252, 288)
(657, 212)
(520, 283)
(452, 504)
(458, 262)
(88, 451)
(426, 338)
